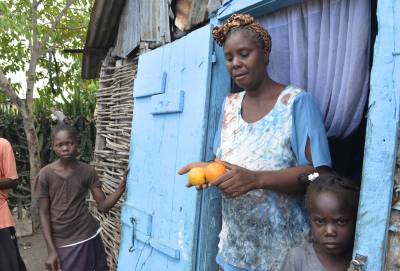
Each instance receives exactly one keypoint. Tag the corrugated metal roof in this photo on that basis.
(124, 24)
(101, 35)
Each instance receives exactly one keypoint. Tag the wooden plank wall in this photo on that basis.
(129, 30)
(148, 21)
(154, 21)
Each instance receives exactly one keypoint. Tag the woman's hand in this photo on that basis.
(188, 167)
(237, 181)
(52, 262)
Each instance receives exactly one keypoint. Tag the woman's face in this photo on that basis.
(332, 224)
(245, 60)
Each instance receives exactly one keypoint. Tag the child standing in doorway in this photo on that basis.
(70, 231)
(332, 202)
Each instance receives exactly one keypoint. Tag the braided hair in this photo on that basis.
(343, 187)
(238, 22)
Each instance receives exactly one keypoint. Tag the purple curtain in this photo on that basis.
(324, 47)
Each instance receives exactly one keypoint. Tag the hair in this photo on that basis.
(64, 127)
(240, 22)
(343, 187)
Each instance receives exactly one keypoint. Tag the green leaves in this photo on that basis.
(16, 30)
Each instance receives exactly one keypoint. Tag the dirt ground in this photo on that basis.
(34, 251)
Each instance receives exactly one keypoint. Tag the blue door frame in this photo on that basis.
(381, 140)
(382, 125)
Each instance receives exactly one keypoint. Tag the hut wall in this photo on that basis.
(154, 21)
(113, 122)
(129, 30)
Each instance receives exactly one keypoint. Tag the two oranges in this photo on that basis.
(208, 174)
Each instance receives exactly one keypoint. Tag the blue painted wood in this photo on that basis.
(158, 79)
(254, 7)
(210, 225)
(165, 104)
(160, 145)
(381, 140)
(141, 219)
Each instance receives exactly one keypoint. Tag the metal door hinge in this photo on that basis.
(358, 263)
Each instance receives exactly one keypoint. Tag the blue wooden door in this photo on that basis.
(161, 218)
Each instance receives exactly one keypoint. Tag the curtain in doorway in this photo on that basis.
(323, 46)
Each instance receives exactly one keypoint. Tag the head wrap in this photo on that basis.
(243, 21)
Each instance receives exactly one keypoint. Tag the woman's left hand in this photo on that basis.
(236, 181)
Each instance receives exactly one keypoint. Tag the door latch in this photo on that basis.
(358, 263)
(133, 221)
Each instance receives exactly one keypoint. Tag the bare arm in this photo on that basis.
(52, 262)
(238, 181)
(8, 183)
(104, 203)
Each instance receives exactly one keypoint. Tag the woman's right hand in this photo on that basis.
(52, 262)
(188, 167)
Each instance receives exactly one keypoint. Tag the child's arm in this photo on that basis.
(8, 183)
(52, 262)
(105, 204)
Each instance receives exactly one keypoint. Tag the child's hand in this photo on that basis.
(52, 262)
(188, 167)
(122, 184)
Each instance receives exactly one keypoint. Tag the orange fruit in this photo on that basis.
(213, 171)
(196, 176)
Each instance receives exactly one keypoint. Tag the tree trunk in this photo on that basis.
(34, 159)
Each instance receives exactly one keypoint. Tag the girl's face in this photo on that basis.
(332, 224)
(245, 60)
(64, 145)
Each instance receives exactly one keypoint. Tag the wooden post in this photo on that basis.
(381, 141)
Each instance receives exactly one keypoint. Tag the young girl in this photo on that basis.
(332, 203)
(268, 135)
(70, 231)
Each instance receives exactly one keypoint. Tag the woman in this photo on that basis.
(269, 135)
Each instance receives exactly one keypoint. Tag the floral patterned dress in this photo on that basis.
(259, 227)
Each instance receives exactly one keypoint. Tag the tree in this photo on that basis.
(33, 34)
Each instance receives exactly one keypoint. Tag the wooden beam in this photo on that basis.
(253, 7)
(94, 51)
